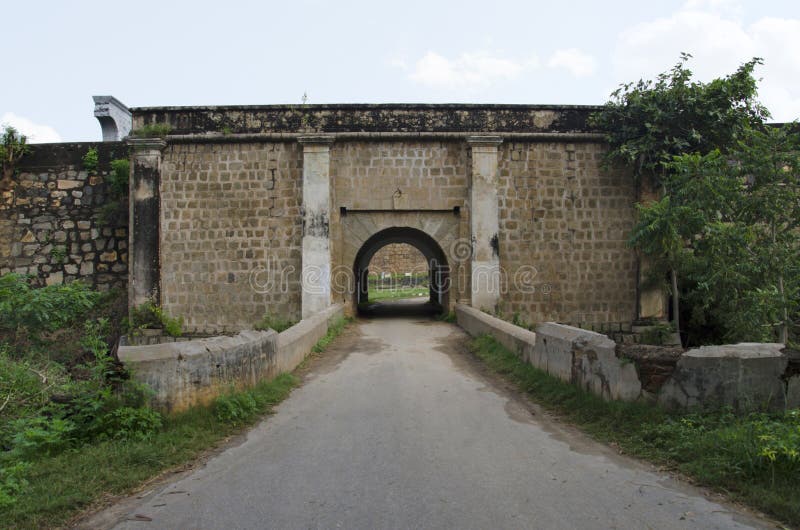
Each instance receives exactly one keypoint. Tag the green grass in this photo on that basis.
(334, 330)
(376, 295)
(448, 317)
(754, 459)
(274, 322)
(60, 487)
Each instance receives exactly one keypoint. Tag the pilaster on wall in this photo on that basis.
(484, 221)
(316, 259)
(144, 230)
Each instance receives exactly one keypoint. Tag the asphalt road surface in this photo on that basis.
(397, 427)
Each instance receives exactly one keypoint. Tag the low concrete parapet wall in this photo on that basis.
(741, 376)
(514, 338)
(187, 373)
(587, 359)
(747, 376)
(296, 342)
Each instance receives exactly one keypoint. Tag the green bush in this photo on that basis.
(11, 482)
(38, 436)
(26, 385)
(118, 178)
(91, 161)
(152, 130)
(150, 316)
(128, 423)
(44, 309)
(236, 408)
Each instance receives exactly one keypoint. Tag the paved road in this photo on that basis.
(397, 428)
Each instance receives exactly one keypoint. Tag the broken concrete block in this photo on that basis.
(746, 376)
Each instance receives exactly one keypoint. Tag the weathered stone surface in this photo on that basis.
(743, 376)
(564, 223)
(398, 258)
(587, 359)
(655, 364)
(218, 221)
(514, 338)
(65, 184)
(43, 208)
(55, 278)
(793, 392)
(574, 355)
(368, 118)
(186, 373)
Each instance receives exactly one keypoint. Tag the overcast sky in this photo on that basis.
(150, 53)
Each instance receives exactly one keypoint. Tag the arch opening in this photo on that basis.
(430, 257)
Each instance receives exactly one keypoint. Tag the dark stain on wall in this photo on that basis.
(495, 244)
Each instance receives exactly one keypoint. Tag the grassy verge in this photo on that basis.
(334, 329)
(754, 459)
(393, 294)
(58, 487)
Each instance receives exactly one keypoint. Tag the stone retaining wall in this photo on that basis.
(193, 372)
(57, 224)
(741, 376)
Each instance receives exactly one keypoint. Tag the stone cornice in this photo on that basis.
(484, 141)
(146, 144)
(316, 139)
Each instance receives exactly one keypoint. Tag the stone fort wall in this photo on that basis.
(56, 223)
(231, 233)
(564, 222)
(398, 258)
(230, 214)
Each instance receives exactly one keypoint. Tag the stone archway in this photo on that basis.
(434, 233)
(438, 268)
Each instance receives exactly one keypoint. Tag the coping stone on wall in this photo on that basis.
(186, 373)
(516, 339)
(744, 376)
(585, 358)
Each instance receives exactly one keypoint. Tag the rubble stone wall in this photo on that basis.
(61, 223)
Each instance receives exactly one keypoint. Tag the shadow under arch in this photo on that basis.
(438, 270)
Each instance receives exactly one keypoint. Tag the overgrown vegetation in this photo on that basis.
(13, 146)
(74, 427)
(115, 210)
(754, 458)
(59, 386)
(152, 130)
(91, 161)
(723, 224)
(335, 328)
(151, 316)
(48, 491)
(118, 178)
(274, 322)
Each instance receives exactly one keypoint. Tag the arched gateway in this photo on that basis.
(244, 210)
(438, 268)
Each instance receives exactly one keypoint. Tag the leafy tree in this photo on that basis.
(13, 146)
(769, 162)
(648, 122)
(726, 220)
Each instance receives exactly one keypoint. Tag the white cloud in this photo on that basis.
(731, 7)
(36, 133)
(719, 42)
(468, 70)
(578, 63)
